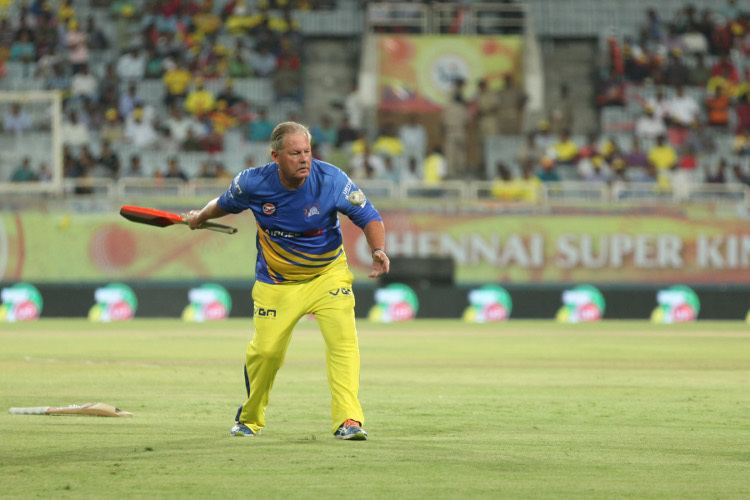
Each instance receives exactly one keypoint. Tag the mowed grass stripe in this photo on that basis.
(519, 410)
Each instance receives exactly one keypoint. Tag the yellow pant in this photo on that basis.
(278, 308)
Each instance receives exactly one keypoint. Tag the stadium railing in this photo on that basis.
(640, 192)
(449, 17)
(447, 190)
(589, 18)
(409, 16)
(479, 18)
(346, 20)
(574, 191)
(550, 193)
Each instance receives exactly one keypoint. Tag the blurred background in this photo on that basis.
(533, 146)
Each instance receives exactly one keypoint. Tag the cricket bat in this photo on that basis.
(162, 218)
(88, 409)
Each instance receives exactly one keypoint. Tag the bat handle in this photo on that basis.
(214, 226)
(34, 410)
(220, 228)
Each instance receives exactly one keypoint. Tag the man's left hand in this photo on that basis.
(381, 264)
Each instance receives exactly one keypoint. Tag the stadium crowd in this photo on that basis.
(683, 84)
(183, 43)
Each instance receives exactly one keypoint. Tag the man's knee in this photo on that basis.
(265, 354)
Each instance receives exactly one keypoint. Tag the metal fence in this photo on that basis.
(564, 192)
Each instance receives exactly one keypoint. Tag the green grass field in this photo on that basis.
(518, 410)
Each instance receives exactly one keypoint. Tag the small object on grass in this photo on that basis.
(87, 409)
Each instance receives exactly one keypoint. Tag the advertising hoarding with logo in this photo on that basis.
(583, 303)
(393, 303)
(487, 304)
(676, 304)
(114, 302)
(208, 302)
(20, 302)
(558, 246)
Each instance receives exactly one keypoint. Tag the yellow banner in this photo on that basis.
(58, 247)
(573, 246)
(416, 72)
(667, 245)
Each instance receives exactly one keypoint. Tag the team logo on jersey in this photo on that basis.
(269, 208)
(310, 211)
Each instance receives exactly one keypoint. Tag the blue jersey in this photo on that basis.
(299, 234)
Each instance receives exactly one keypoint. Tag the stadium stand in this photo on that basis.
(298, 59)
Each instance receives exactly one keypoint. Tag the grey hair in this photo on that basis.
(284, 129)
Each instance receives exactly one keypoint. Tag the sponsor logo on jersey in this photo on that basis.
(342, 291)
(278, 233)
(269, 208)
(348, 188)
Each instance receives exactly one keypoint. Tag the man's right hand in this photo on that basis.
(193, 219)
(196, 218)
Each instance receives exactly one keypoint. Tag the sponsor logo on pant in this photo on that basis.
(264, 312)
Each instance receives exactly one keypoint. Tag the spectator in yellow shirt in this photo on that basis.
(200, 101)
(221, 120)
(663, 158)
(566, 150)
(66, 11)
(503, 187)
(741, 146)
(242, 20)
(177, 81)
(434, 167)
(205, 21)
(388, 143)
(508, 188)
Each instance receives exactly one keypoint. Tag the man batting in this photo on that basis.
(301, 268)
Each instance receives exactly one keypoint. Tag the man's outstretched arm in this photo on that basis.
(375, 235)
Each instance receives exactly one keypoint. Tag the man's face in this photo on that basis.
(294, 159)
